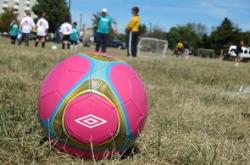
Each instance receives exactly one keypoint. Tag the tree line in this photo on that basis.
(197, 35)
(57, 11)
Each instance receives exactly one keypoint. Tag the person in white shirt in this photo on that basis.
(26, 26)
(66, 30)
(42, 26)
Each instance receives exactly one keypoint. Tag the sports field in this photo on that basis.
(197, 115)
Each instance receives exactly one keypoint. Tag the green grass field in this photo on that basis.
(194, 119)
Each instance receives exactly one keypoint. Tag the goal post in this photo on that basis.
(152, 47)
(206, 53)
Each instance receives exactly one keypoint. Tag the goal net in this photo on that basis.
(152, 47)
(206, 53)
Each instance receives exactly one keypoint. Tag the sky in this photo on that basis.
(167, 13)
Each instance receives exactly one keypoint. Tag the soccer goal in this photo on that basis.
(206, 53)
(152, 47)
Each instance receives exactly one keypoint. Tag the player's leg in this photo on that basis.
(236, 60)
(21, 39)
(37, 40)
(75, 46)
(26, 39)
(43, 41)
(129, 44)
(68, 45)
(98, 42)
(68, 41)
(134, 44)
(186, 53)
(12, 40)
(72, 46)
(63, 42)
(240, 57)
(104, 42)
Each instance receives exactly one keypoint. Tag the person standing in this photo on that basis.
(74, 37)
(26, 26)
(239, 52)
(132, 30)
(104, 25)
(179, 49)
(13, 32)
(42, 30)
(66, 30)
(57, 35)
(186, 50)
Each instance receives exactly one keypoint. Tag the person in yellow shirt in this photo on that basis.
(132, 30)
(180, 46)
(179, 49)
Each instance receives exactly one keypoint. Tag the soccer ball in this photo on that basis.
(54, 47)
(92, 105)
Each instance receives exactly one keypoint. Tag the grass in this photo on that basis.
(191, 121)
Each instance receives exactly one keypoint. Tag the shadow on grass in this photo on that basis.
(130, 153)
(133, 151)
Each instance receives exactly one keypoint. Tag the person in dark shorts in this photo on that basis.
(42, 30)
(239, 52)
(65, 30)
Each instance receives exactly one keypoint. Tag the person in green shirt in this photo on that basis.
(74, 37)
(104, 25)
(14, 29)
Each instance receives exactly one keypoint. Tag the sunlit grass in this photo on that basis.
(191, 120)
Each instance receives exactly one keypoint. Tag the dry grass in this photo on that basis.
(191, 121)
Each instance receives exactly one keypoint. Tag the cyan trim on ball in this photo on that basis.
(106, 76)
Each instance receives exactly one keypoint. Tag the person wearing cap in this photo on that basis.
(104, 25)
(26, 26)
(132, 30)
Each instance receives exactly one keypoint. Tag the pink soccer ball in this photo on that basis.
(92, 105)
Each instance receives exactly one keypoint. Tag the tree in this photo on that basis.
(224, 35)
(204, 43)
(5, 19)
(199, 29)
(143, 29)
(246, 37)
(157, 32)
(191, 33)
(57, 12)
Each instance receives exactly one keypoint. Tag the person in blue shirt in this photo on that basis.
(14, 29)
(104, 25)
(74, 37)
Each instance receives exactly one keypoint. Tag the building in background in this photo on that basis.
(19, 6)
